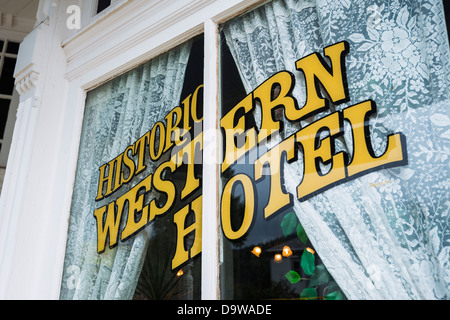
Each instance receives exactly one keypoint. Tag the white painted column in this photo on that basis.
(31, 221)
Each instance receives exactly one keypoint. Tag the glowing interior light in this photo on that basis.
(277, 257)
(287, 251)
(256, 251)
(310, 250)
(180, 273)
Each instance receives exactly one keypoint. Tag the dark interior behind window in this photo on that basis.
(102, 5)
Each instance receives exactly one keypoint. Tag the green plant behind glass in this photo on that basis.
(321, 285)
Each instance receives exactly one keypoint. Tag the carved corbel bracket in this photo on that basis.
(31, 57)
(27, 81)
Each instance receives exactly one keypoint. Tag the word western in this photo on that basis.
(314, 142)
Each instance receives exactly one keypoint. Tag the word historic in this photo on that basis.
(316, 141)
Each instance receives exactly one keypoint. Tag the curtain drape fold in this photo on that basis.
(384, 235)
(117, 113)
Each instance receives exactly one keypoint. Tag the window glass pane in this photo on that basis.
(102, 5)
(4, 108)
(447, 16)
(1, 45)
(183, 282)
(13, 47)
(266, 263)
(7, 79)
(136, 209)
(335, 151)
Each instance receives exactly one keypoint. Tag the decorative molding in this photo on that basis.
(10, 21)
(34, 50)
(6, 20)
(120, 30)
(136, 31)
(28, 81)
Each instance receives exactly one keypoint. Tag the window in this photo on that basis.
(102, 5)
(304, 199)
(160, 279)
(8, 56)
(447, 16)
(274, 259)
(141, 186)
(333, 172)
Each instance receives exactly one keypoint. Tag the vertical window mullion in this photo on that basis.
(210, 226)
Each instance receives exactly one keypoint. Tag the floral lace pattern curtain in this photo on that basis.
(384, 235)
(116, 114)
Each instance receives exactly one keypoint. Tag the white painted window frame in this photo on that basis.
(129, 34)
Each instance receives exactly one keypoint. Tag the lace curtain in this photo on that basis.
(116, 114)
(384, 235)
